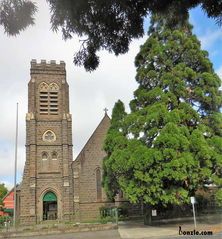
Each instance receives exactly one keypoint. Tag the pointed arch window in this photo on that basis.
(54, 156)
(98, 184)
(44, 156)
(48, 98)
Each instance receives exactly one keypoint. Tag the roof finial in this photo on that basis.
(105, 110)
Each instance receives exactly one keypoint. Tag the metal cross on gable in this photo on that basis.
(105, 110)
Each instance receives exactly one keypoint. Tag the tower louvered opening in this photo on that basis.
(48, 99)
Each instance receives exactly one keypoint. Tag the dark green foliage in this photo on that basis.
(104, 25)
(111, 25)
(3, 192)
(101, 24)
(171, 143)
(16, 15)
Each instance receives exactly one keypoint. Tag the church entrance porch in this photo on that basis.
(50, 206)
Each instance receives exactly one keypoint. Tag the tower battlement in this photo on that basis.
(49, 66)
(48, 90)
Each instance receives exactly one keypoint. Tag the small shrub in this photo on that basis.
(105, 212)
(123, 211)
(109, 213)
(4, 219)
(106, 219)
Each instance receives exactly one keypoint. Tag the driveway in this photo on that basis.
(137, 230)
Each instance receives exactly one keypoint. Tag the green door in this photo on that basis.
(50, 206)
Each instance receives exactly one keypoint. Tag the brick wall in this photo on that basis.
(84, 173)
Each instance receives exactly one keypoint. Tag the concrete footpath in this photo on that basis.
(136, 230)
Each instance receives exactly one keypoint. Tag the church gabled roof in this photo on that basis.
(103, 126)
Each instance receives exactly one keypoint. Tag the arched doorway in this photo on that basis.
(50, 206)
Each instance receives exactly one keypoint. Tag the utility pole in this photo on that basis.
(15, 172)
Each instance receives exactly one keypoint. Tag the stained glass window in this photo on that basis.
(98, 184)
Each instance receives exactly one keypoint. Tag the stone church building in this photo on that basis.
(54, 186)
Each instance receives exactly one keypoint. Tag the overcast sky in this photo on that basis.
(89, 93)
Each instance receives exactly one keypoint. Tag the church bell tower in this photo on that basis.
(47, 187)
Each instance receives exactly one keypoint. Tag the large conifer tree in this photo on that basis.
(171, 143)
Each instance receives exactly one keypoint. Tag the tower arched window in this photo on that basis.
(98, 184)
(44, 156)
(54, 156)
(48, 98)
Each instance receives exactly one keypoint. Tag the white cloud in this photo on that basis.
(219, 72)
(209, 38)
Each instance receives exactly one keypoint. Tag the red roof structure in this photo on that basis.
(8, 202)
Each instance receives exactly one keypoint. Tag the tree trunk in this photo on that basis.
(147, 215)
